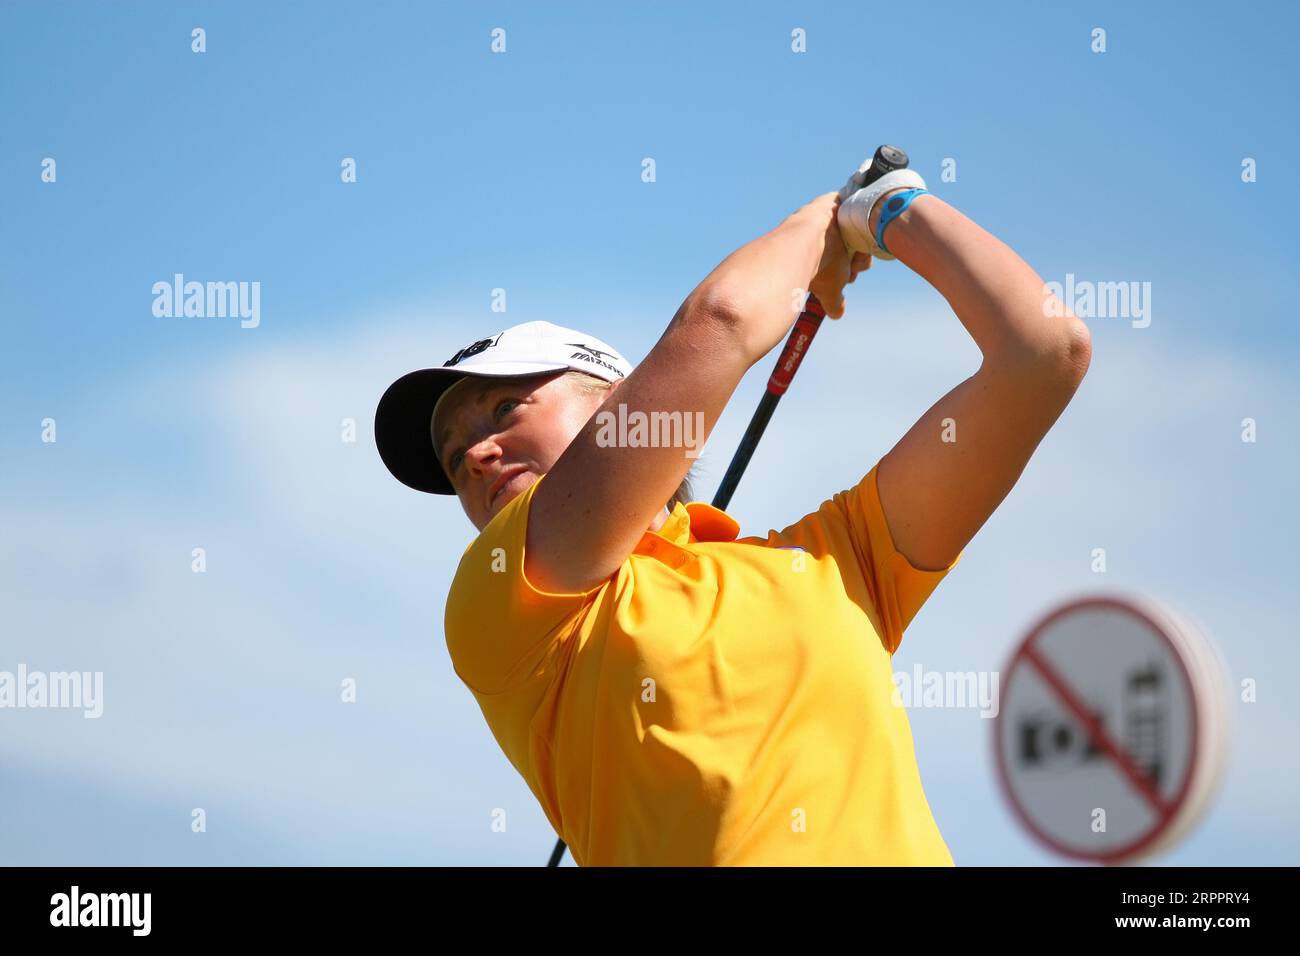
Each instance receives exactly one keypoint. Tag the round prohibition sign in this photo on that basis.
(1111, 732)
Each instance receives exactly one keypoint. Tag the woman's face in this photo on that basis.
(496, 436)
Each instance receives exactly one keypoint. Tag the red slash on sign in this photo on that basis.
(1144, 784)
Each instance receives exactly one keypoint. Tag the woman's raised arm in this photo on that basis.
(946, 476)
(597, 501)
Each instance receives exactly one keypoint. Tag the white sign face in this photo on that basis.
(1110, 733)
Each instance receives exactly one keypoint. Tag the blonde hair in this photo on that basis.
(594, 386)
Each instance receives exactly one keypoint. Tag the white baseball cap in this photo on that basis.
(405, 413)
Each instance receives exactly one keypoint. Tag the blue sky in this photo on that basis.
(522, 171)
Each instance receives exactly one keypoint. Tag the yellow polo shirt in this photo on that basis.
(717, 700)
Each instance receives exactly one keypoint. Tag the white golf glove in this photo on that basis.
(855, 209)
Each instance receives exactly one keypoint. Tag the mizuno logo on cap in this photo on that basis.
(594, 356)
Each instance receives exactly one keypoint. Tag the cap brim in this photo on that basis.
(402, 422)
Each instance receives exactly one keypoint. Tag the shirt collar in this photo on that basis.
(698, 521)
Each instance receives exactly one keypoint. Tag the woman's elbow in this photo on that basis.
(1057, 358)
(1076, 353)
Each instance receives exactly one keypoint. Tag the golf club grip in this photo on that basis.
(796, 346)
(885, 160)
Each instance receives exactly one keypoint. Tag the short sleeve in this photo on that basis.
(901, 588)
(851, 527)
(498, 626)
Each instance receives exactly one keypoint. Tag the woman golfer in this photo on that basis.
(673, 693)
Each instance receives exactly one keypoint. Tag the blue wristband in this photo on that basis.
(894, 207)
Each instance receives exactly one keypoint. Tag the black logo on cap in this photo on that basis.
(473, 349)
(594, 355)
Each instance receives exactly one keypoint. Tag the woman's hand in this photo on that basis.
(838, 266)
(758, 289)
